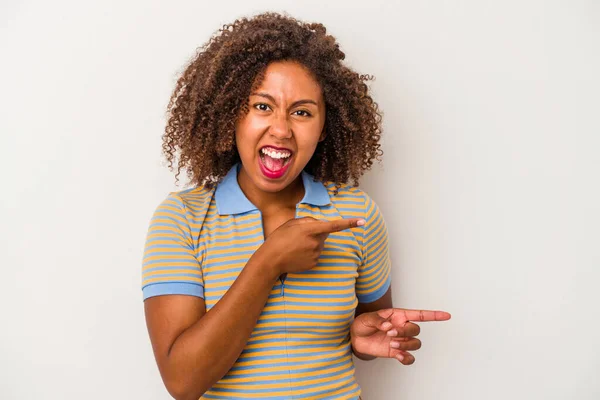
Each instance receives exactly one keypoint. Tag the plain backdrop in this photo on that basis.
(490, 186)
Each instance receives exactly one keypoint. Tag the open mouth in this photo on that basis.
(274, 161)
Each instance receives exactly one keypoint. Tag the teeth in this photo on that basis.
(275, 153)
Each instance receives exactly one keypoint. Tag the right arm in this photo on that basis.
(194, 349)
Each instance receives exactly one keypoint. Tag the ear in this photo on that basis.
(323, 135)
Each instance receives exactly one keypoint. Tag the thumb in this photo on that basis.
(377, 320)
(305, 220)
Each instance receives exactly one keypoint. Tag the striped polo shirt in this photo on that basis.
(200, 239)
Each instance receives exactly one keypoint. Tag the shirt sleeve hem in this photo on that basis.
(376, 295)
(161, 289)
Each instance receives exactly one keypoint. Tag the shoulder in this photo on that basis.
(191, 204)
(347, 196)
(352, 202)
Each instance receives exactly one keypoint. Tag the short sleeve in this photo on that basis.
(374, 274)
(169, 264)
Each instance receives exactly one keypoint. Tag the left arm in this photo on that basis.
(375, 271)
(379, 330)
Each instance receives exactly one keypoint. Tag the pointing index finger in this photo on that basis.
(336, 225)
(425, 315)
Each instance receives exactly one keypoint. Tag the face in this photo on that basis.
(280, 133)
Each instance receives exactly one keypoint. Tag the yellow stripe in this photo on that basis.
(346, 374)
(378, 235)
(182, 256)
(321, 292)
(176, 231)
(314, 358)
(291, 368)
(290, 323)
(176, 238)
(291, 342)
(227, 218)
(218, 226)
(238, 242)
(350, 241)
(282, 351)
(354, 388)
(372, 262)
(285, 384)
(232, 234)
(267, 378)
(182, 251)
(291, 307)
(321, 319)
(164, 217)
(320, 300)
(195, 271)
(314, 212)
(227, 258)
(177, 278)
(337, 251)
(313, 284)
(371, 285)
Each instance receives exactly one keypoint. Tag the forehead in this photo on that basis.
(289, 78)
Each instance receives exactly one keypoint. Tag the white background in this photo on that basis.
(490, 187)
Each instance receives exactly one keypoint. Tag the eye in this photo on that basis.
(261, 106)
(306, 113)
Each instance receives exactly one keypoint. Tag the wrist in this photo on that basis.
(264, 265)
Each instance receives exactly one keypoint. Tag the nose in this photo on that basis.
(280, 127)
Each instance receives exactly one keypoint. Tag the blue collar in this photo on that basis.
(231, 200)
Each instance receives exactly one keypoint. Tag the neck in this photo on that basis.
(288, 197)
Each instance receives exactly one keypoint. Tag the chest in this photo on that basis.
(273, 219)
(322, 299)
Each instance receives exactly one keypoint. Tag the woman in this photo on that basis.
(264, 278)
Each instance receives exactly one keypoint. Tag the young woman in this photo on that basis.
(263, 279)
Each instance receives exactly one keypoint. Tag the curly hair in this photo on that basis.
(213, 92)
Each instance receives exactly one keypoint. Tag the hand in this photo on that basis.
(296, 245)
(389, 332)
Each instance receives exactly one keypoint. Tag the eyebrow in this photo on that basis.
(296, 103)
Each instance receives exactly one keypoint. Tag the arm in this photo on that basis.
(375, 272)
(194, 349)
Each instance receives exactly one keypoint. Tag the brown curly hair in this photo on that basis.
(213, 92)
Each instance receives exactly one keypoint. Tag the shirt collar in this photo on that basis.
(231, 200)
